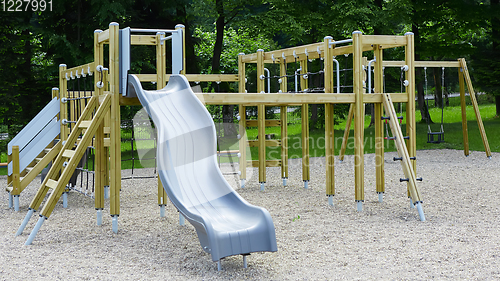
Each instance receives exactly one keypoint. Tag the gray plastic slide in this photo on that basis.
(225, 223)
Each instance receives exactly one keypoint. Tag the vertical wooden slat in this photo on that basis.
(358, 116)
(465, 131)
(100, 156)
(160, 83)
(115, 136)
(304, 84)
(411, 126)
(284, 123)
(379, 124)
(63, 87)
(243, 118)
(329, 122)
(16, 177)
(261, 118)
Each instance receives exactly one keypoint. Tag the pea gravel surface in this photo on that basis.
(386, 241)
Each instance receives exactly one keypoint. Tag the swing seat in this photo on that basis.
(435, 137)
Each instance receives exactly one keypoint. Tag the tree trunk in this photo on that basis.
(424, 111)
(438, 94)
(227, 110)
(191, 63)
(497, 103)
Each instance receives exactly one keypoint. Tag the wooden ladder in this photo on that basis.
(404, 156)
(67, 160)
(16, 186)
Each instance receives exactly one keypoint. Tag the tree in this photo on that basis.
(486, 60)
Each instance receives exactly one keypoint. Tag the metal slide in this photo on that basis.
(225, 223)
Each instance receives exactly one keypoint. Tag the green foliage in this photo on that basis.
(235, 42)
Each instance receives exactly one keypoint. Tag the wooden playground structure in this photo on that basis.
(93, 119)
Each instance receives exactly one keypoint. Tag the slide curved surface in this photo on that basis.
(225, 223)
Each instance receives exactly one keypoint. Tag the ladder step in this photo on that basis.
(38, 160)
(85, 124)
(51, 184)
(68, 153)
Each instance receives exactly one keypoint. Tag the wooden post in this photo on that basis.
(261, 118)
(63, 87)
(115, 137)
(358, 117)
(100, 151)
(243, 120)
(16, 177)
(160, 84)
(464, 111)
(411, 125)
(329, 124)
(55, 92)
(304, 84)
(379, 123)
(284, 123)
(9, 177)
(472, 95)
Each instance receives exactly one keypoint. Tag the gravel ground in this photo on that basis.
(460, 239)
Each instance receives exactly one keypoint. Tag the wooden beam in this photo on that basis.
(268, 163)
(472, 95)
(143, 40)
(256, 143)
(299, 52)
(103, 36)
(279, 99)
(210, 77)
(393, 40)
(269, 123)
(85, 68)
(423, 64)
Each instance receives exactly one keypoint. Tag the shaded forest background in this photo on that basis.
(33, 44)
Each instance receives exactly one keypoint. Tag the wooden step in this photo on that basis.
(38, 160)
(68, 153)
(51, 184)
(85, 124)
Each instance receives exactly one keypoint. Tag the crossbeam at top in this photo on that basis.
(316, 50)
